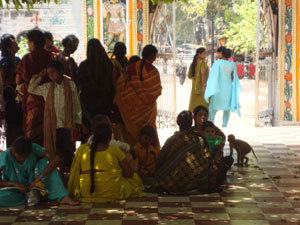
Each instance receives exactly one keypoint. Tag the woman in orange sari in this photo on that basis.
(136, 93)
(33, 105)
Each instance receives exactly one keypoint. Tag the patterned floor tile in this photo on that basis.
(103, 222)
(265, 192)
(211, 216)
(141, 216)
(175, 210)
(176, 222)
(7, 219)
(212, 222)
(249, 222)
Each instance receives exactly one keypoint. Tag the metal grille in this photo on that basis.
(166, 103)
(265, 108)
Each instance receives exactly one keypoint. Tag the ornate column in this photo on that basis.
(288, 61)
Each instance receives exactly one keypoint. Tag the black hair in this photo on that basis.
(227, 53)
(5, 44)
(37, 37)
(193, 66)
(102, 135)
(22, 146)
(134, 59)
(99, 118)
(147, 131)
(185, 120)
(207, 124)
(9, 94)
(48, 35)
(198, 108)
(119, 52)
(57, 65)
(69, 40)
(221, 48)
(148, 51)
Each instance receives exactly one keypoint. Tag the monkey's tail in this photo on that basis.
(253, 153)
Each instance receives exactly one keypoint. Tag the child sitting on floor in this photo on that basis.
(146, 152)
(209, 133)
(62, 114)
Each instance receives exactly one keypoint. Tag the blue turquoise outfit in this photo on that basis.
(12, 171)
(223, 89)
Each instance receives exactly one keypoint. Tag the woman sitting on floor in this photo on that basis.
(223, 163)
(25, 165)
(101, 173)
(184, 163)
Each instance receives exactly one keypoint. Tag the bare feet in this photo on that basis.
(68, 201)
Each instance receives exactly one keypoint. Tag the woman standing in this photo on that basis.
(120, 62)
(95, 83)
(9, 47)
(223, 88)
(33, 105)
(198, 72)
(137, 92)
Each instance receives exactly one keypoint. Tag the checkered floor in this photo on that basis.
(266, 192)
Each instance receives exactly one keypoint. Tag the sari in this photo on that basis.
(96, 91)
(12, 171)
(136, 96)
(110, 185)
(197, 96)
(184, 164)
(33, 105)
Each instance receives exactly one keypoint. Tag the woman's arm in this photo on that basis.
(19, 79)
(22, 187)
(126, 169)
(220, 147)
(53, 163)
(203, 72)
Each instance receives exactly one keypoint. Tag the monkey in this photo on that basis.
(242, 148)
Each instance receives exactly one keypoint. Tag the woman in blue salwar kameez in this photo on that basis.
(22, 167)
(223, 88)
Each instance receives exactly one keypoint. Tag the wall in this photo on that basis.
(61, 20)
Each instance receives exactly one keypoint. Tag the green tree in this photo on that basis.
(241, 32)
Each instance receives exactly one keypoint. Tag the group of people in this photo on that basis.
(217, 89)
(109, 104)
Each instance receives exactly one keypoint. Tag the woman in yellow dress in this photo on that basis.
(101, 173)
(198, 72)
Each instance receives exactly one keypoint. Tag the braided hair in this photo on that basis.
(102, 135)
(193, 66)
(148, 51)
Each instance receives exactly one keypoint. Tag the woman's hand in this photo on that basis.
(22, 187)
(36, 180)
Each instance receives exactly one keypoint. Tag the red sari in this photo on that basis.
(136, 98)
(33, 105)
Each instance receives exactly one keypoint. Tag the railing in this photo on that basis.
(265, 90)
(166, 104)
